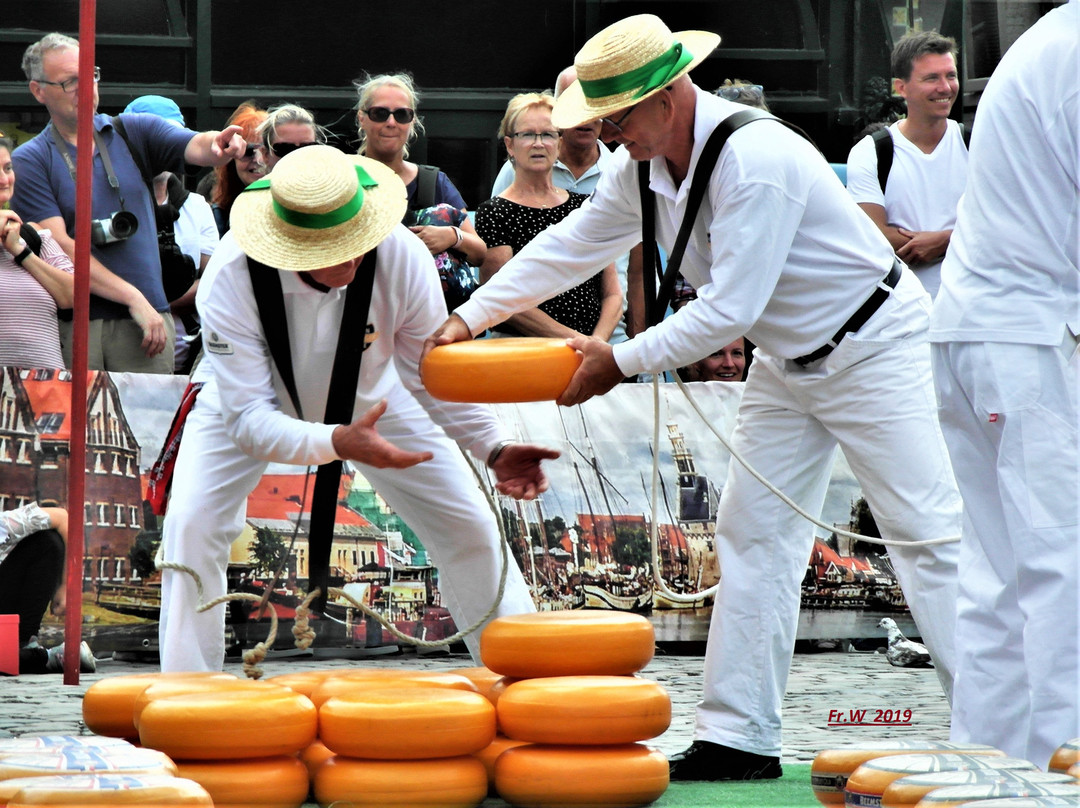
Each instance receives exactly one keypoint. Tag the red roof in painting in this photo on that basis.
(53, 395)
(278, 496)
(829, 555)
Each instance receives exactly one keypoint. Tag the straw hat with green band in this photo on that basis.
(625, 63)
(319, 208)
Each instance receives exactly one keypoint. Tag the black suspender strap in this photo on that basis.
(649, 256)
(340, 399)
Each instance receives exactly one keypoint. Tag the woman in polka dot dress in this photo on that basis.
(531, 204)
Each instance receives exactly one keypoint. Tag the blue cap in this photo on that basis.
(157, 105)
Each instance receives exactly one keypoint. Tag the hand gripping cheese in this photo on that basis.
(409, 724)
(584, 710)
(621, 776)
(494, 371)
(454, 782)
(223, 725)
(569, 643)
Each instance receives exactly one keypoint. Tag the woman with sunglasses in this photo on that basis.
(287, 128)
(386, 116)
(529, 206)
(240, 172)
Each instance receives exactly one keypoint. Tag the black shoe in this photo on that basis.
(705, 760)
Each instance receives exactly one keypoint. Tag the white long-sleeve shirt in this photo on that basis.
(779, 253)
(406, 307)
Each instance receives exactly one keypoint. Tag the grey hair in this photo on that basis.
(283, 114)
(365, 89)
(34, 56)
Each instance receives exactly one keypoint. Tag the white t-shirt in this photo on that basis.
(1012, 273)
(195, 231)
(922, 191)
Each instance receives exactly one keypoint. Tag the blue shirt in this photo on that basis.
(45, 190)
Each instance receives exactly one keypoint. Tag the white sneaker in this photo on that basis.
(87, 663)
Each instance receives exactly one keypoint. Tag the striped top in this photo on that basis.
(29, 331)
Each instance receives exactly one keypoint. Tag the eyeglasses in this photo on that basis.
(72, 84)
(382, 114)
(281, 149)
(251, 151)
(547, 138)
(610, 128)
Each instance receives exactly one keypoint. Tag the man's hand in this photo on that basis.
(228, 144)
(152, 325)
(923, 247)
(453, 330)
(597, 373)
(436, 239)
(360, 441)
(518, 472)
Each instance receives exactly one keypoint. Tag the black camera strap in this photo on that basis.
(65, 152)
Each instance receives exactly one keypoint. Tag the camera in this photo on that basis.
(118, 227)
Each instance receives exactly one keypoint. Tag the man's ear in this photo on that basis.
(38, 91)
(899, 87)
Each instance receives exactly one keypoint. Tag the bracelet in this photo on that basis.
(498, 450)
(460, 238)
(26, 253)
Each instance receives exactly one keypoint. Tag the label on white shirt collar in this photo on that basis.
(215, 344)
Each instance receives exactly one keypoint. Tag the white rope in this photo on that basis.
(654, 533)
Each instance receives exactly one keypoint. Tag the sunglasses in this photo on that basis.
(281, 149)
(251, 151)
(381, 114)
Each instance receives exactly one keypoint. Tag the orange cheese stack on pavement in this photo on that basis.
(1067, 755)
(149, 791)
(451, 782)
(364, 680)
(493, 371)
(1009, 785)
(568, 643)
(409, 724)
(867, 783)
(271, 782)
(907, 791)
(230, 723)
(108, 705)
(577, 710)
(623, 776)
(832, 767)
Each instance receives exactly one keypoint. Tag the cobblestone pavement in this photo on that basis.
(824, 691)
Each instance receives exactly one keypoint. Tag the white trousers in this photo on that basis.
(873, 396)
(438, 499)
(1009, 413)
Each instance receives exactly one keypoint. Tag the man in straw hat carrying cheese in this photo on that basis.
(780, 253)
(321, 219)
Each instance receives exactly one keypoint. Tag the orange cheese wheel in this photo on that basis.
(271, 782)
(150, 791)
(581, 776)
(832, 767)
(568, 643)
(86, 761)
(907, 791)
(314, 755)
(417, 722)
(951, 796)
(222, 725)
(362, 680)
(490, 753)
(182, 687)
(108, 703)
(493, 371)
(456, 782)
(868, 782)
(584, 710)
(303, 682)
(1066, 755)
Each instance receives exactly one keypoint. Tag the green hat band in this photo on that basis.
(648, 77)
(321, 221)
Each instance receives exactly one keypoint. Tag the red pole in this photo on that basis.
(77, 437)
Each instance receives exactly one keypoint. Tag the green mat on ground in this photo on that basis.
(790, 791)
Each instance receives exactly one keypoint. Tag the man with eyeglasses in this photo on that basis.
(128, 329)
(778, 252)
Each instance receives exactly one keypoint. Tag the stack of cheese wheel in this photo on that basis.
(832, 767)
(84, 791)
(109, 704)
(907, 791)
(239, 740)
(1004, 784)
(404, 744)
(868, 783)
(1066, 756)
(578, 708)
(51, 761)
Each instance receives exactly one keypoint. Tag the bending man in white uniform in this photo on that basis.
(1005, 329)
(782, 254)
(338, 208)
